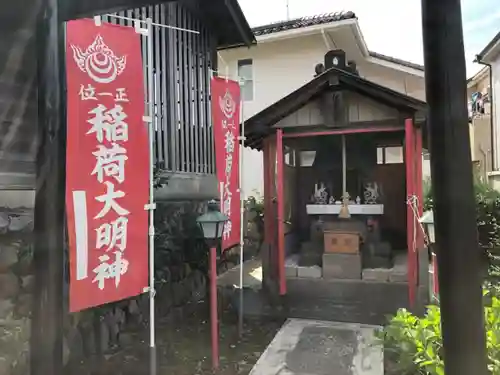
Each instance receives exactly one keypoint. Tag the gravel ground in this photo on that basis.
(183, 348)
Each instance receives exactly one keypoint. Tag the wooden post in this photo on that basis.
(410, 216)
(49, 227)
(267, 189)
(419, 183)
(281, 211)
(268, 217)
(459, 262)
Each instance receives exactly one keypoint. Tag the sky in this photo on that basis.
(390, 27)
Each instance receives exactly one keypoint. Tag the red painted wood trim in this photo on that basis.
(281, 211)
(345, 131)
(410, 221)
(419, 182)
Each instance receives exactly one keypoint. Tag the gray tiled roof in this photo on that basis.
(396, 61)
(302, 22)
(321, 19)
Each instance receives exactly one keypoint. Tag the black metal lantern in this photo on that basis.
(212, 224)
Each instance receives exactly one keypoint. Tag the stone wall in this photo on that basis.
(180, 259)
(181, 274)
(16, 286)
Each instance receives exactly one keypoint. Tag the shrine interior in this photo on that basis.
(318, 170)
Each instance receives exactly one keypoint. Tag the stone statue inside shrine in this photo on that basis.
(371, 193)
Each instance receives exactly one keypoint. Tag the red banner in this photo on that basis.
(226, 117)
(107, 178)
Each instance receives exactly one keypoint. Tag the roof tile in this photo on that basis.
(302, 22)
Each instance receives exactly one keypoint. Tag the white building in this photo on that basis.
(284, 60)
(490, 55)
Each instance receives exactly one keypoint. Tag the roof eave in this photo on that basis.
(482, 74)
(264, 118)
(303, 31)
(367, 54)
(492, 49)
(246, 33)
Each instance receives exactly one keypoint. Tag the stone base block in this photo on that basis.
(398, 276)
(313, 272)
(291, 271)
(342, 266)
(399, 272)
(376, 274)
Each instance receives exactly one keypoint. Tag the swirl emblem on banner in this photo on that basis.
(227, 104)
(99, 61)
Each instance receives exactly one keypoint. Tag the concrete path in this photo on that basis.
(252, 275)
(309, 347)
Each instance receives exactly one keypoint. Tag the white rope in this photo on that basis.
(412, 201)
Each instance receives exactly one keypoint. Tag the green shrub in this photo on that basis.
(413, 345)
(488, 218)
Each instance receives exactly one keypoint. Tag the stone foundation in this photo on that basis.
(181, 276)
(16, 288)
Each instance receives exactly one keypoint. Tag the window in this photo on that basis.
(307, 158)
(390, 155)
(245, 73)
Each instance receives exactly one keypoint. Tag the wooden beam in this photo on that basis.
(343, 131)
(459, 260)
(73, 9)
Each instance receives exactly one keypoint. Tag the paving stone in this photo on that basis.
(313, 272)
(376, 274)
(342, 266)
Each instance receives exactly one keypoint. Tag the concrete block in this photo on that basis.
(291, 271)
(376, 274)
(313, 272)
(342, 266)
(398, 275)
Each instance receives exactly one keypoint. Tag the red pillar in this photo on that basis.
(281, 211)
(214, 315)
(419, 183)
(410, 216)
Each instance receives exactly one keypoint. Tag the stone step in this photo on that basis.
(342, 266)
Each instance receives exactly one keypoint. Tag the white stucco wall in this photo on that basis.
(495, 65)
(281, 67)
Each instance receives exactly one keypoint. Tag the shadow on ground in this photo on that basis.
(183, 347)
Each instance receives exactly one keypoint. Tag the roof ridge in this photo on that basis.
(304, 21)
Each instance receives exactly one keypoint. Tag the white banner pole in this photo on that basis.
(150, 74)
(242, 215)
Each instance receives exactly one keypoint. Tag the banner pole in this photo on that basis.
(242, 214)
(150, 73)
